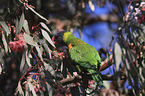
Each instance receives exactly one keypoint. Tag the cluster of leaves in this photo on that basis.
(30, 48)
(129, 52)
(35, 54)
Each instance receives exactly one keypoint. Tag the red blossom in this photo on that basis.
(20, 36)
(12, 45)
(18, 45)
(22, 42)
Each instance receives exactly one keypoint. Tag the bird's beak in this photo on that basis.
(53, 40)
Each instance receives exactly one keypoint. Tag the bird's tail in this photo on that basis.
(96, 76)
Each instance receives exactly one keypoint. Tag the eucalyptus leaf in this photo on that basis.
(49, 68)
(26, 27)
(117, 55)
(31, 86)
(5, 43)
(142, 74)
(5, 27)
(106, 84)
(26, 91)
(39, 51)
(47, 37)
(19, 88)
(22, 62)
(21, 22)
(29, 39)
(47, 50)
(37, 13)
(49, 88)
(44, 26)
(28, 59)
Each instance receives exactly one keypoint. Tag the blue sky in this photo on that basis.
(99, 34)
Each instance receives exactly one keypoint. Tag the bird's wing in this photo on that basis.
(85, 56)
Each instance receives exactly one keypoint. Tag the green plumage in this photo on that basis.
(84, 55)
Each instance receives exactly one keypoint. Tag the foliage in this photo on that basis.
(31, 65)
(130, 48)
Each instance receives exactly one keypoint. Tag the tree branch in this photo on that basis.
(107, 63)
(74, 79)
(102, 18)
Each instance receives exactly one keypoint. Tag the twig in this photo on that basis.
(71, 79)
(128, 9)
(27, 71)
(105, 18)
(105, 64)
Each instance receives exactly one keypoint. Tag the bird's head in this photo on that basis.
(61, 37)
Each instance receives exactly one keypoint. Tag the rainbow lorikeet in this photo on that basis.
(82, 54)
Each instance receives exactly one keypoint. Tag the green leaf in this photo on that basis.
(49, 68)
(19, 88)
(29, 39)
(27, 90)
(31, 86)
(45, 46)
(49, 88)
(37, 13)
(5, 27)
(47, 37)
(44, 26)
(106, 84)
(2, 53)
(17, 25)
(28, 59)
(26, 27)
(47, 50)
(21, 22)
(117, 55)
(39, 50)
(22, 62)
(5, 43)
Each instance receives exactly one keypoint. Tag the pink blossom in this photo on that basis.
(22, 42)
(18, 45)
(12, 45)
(20, 36)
